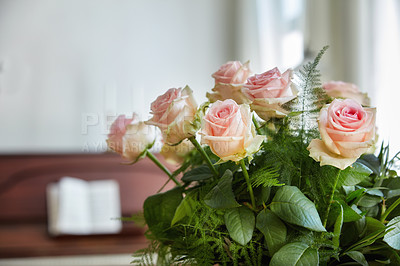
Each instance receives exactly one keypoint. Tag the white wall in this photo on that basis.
(64, 64)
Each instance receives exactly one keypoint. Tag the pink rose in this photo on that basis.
(229, 80)
(347, 131)
(340, 89)
(268, 91)
(232, 72)
(228, 130)
(130, 138)
(174, 113)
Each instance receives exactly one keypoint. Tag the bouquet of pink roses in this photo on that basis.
(284, 173)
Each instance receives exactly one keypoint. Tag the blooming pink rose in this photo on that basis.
(130, 138)
(340, 89)
(347, 131)
(229, 80)
(232, 72)
(174, 113)
(268, 91)
(228, 130)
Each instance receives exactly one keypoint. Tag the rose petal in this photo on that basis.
(320, 153)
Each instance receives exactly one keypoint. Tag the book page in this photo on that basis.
(74, 209)
(105, 206)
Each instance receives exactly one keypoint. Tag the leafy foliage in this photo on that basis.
(305, 214)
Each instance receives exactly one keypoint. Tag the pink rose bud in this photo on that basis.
(229, 80)
(229, 131)
(174, 113)
(340, 89)
(130, 138)
(347, 131)
(268, 91)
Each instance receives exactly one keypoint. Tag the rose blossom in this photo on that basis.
(268, 91)
(340, 89)
(228, 130)
(347, 131)
(130, 138)
(174, 112)
(229, 80)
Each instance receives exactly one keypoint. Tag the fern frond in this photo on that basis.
(266, 176)
(310, 100)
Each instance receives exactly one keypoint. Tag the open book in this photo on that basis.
(79, 207)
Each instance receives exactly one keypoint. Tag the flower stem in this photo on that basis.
(162, 167)
(204, 154)
(331, 198)
(257, 125)
(391, 208)
(249, 187)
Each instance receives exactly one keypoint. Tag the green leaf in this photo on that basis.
(369, 201)
(240, 224)
(393, 193)
(392, 237)
(355, 196)
(358, 257)
(372, 225)
(185, 208)
(367, 240)
(295, 254)
(349, 214)
(338, 227)
(202, 172)
(221, 196)
(262, 195)
(273, 229)
(353, 175)
(292, 206)
(159, 211)
(371, 161)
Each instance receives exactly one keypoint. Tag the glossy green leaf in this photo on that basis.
(354, 174)
(262, 194)
(202, 172)
(221, 196)
(349, 214)
(295, 254)
(392, 238)
(292, 206)
(240, 223)
(273, 229)
(371, 161)
(358, 257)
(185, 208)
(159, 210)
(369, 201)
(372, 225)
(355, 196)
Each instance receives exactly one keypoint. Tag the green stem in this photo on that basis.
(257, 125)
(204, 154)
(249, 187)
(331, 198)
(162, 167)
(391, 208)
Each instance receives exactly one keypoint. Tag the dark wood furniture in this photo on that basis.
(23, 215)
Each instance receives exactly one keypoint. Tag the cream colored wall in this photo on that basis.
(67, 64)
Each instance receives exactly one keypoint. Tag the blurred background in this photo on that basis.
(67, 68)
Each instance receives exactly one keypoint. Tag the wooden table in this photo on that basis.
(23, 216)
